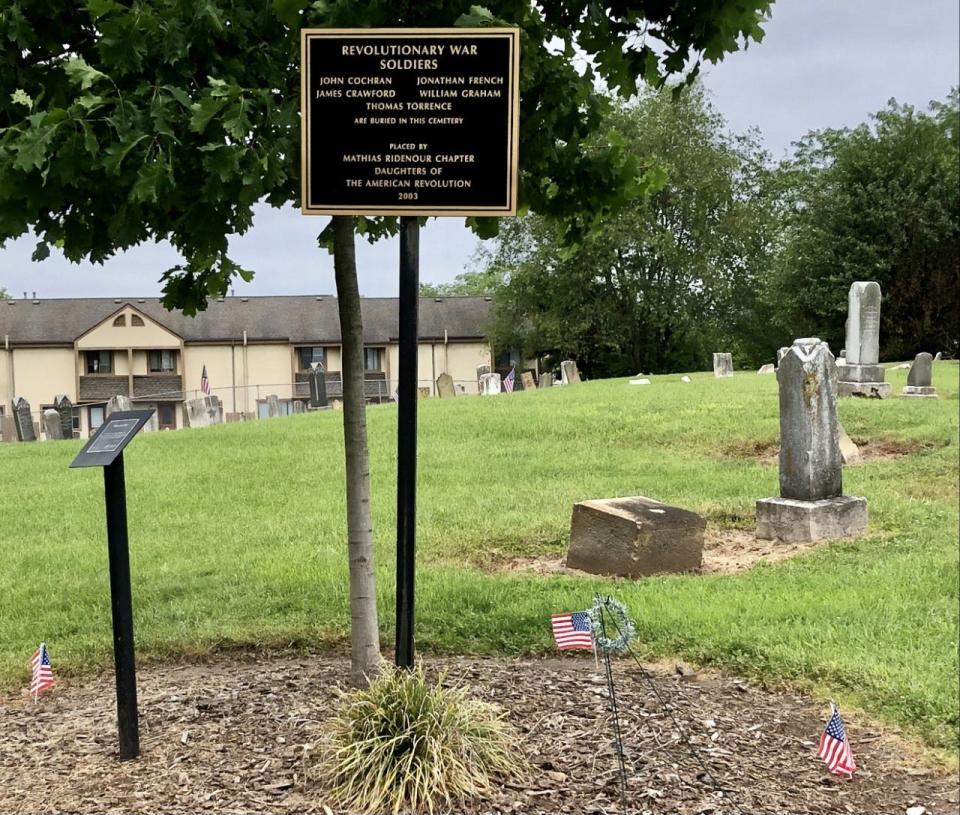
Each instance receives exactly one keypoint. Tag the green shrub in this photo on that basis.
(404, 742)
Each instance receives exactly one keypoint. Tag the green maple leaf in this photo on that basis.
(32, 147)
(81, 72)
(149, 180)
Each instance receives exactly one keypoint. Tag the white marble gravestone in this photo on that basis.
(861, 374)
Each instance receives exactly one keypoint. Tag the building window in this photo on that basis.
(311, 354)
(99, 362)
(95, 416)
(136, 319)
(76, 421)
(166, 416)
(373, 359)
(162, 362)
(120, 321)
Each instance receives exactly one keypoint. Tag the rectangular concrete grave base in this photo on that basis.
(634, 537)
(919, 392)
(793, 521)
(865, 390)
(860, 373)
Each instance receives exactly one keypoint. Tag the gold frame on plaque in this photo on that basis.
(513, 125)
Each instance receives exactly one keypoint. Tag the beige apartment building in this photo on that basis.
(251, 347)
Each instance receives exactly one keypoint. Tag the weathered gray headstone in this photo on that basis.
(861, 374)
(273, 406)
(64, 408)
(769, 368)
(722, 365)
(634, 537)
(938, 356)
(204, 411)
(482, 370)
(546, 380)
(23, 420)
(298, 407)
(811, 505)
(51, 425)
(445, 386)
(640, 381)
(7, 431)
(569, 373)
(920, 379)
(118, 403)
(685, 378)
(318, 386)
(809, 451)
(490, 384)
(527, 381)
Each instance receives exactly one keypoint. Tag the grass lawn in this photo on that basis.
(237, 538)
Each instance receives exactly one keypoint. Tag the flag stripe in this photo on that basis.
(569, 635)
(41, 671)
(834, 746)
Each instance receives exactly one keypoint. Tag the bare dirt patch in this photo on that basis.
(725, 551)
(768, 452)
(230, 735)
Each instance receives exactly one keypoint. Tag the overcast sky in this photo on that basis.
(823, 63)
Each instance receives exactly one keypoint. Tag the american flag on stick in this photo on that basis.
(205, 382)
(509, 379)
(835, 746)
(572, 630)
(42, 672)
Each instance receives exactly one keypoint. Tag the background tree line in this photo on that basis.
(730, 251)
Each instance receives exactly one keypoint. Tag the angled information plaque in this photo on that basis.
(111, 437)
(409, 121)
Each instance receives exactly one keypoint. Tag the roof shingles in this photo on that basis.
(301, 319)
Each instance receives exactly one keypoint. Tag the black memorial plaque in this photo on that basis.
(410, 121)
(111, 437)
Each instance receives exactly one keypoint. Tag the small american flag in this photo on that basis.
(835, 746)
(508, 380)
(204, 382)
(572, 630)
(42, 672)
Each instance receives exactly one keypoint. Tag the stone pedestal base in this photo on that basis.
(634, 537)
(793, 521)
(862, 380)
(920, 392)
(866, 390)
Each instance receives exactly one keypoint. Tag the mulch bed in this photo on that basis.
(230, 735)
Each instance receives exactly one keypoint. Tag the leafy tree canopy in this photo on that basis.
(122, 122)
(662, 282)
(877, 202)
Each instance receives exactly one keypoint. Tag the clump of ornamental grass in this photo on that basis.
(407, 743)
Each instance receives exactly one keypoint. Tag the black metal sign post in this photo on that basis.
(105, 450)
(410, 122)
(407, 439)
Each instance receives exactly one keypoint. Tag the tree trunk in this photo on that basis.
(365, 659)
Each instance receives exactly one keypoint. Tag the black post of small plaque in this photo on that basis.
(105, 449)
(407, 439)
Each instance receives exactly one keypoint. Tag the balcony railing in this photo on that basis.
(102, 387)
(162, 387)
